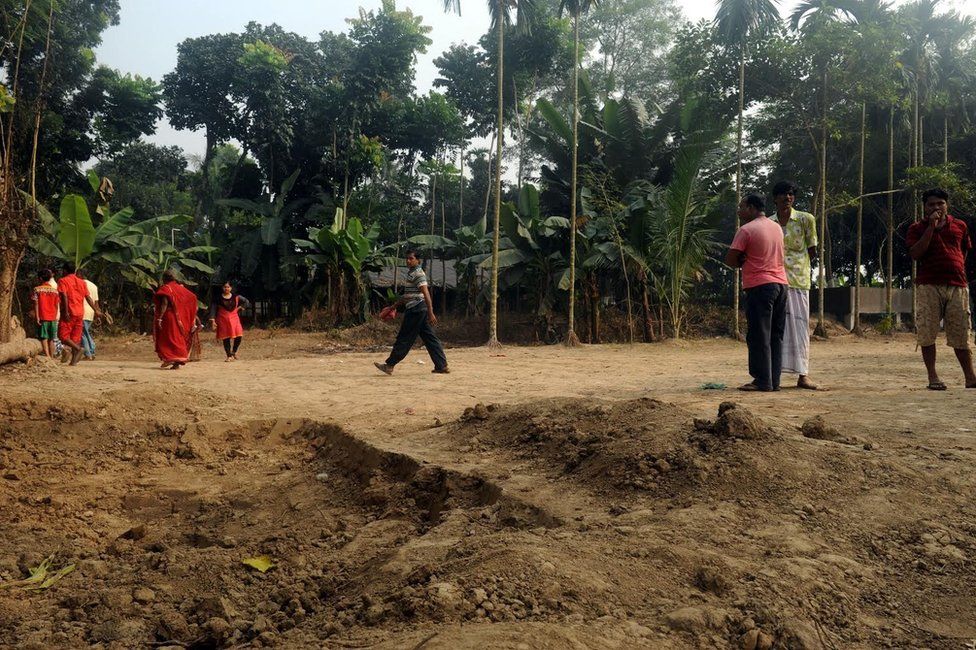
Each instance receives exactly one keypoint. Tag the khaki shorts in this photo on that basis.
(936, 303)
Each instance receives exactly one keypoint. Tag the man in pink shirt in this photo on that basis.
(758, 249)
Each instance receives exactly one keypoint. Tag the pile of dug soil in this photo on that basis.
(638, 445)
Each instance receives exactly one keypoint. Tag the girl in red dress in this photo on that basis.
(224, 318)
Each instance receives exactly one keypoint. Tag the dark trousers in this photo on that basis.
(231, 345)
(415, 324)
(766, 318)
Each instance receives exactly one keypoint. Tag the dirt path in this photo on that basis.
(595, 500)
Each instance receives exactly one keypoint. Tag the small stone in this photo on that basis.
(143, 595)
(260, 624)
(695, 619)
(801, 636)
(662, 466)
(479, 596)
(636, 629)
(764, 641)
(749, 640)
(218, 627)
(135, 533)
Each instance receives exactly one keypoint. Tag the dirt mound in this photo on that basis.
(642, 444)
(818, 429)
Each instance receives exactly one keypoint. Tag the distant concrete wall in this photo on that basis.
(839, 302)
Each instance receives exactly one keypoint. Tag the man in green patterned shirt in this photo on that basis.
(800, 239)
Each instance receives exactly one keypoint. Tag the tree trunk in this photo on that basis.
(860, 225)
(18, 347)
(646, 306)
(595, 308)
(945, 137)
(443, 261)
(889, 275)
(489, 186)
(493, 311)
(571, 338)
(461, 192)
(736, 328)
(11, 252)
(821, 329)
(914, 162)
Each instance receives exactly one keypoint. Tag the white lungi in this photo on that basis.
(796, 336)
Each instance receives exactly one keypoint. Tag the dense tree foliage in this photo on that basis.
(323, 160)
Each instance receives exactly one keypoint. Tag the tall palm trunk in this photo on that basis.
(571, 338)
(889, 274)
(860, 226)
(736, 329)
(821, 329)
(443, 261)
(493, 311)
(461, 191)
(914, 162)
(945, 137)
(489, 186)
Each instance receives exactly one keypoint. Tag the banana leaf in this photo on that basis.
(77, 234)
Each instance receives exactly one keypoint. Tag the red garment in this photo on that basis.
(944, 263)
(47, 299)
(75, 291)
(70, 329)
(174, 334)
(762, 241)
(229, 321)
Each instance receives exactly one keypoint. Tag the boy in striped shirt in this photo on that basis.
(418, 320)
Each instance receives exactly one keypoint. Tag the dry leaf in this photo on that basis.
(262, 562)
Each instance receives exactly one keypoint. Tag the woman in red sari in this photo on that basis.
(175, 319)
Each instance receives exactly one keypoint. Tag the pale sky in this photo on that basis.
(145, 40)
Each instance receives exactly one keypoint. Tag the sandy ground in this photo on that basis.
(595, 500)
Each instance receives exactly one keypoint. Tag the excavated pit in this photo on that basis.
(157, 520)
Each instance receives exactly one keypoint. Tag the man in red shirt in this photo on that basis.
(74, 294)
(758, 248)
(939, 244)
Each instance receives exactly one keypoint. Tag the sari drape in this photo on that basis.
(173, 335)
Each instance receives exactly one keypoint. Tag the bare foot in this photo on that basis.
(165, 364)
(75, 357)
(228, 359)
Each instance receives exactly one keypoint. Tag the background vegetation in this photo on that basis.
(616, 181)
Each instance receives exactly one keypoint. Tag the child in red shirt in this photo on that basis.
(46, 311)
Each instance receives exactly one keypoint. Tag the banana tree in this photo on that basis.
(118, 239)
(468, 244)
(346, 252)
(533, 249)
(269, 245)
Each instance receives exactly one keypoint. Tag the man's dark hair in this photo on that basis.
(45, 274)
(785, 187)
(168, 276)
(80, 273)
(67, 268)
(937, 192)
(755, 201)
(412, 251)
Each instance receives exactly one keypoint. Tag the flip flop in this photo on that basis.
(936, 385)
(750, 388)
